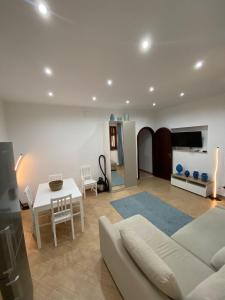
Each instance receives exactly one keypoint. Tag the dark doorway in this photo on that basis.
(145, 151)
(162, 153)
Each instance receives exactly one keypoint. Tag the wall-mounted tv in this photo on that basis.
(187, 139)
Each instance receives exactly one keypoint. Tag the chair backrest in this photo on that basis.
(54, 177)
(61, 204)
(85, 172)
(30, 199)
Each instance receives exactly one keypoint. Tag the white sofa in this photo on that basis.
(187, 253)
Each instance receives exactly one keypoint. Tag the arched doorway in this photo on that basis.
(145, 151)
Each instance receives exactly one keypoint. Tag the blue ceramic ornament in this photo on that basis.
(195, 174)
(205, 177)
(179, 169)
(187, 173)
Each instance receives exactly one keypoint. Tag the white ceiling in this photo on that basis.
(86, 42)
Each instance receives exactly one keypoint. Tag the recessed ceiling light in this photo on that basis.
(109, 82)
(199, 64)
(145, 44)
(48, 71)
(154, 104)
(151, 89)
(182, 94)
(127, 101)
(94, 98)
(43, 9)
(50, 94)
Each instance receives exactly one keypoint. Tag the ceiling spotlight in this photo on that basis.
(151, 89)
(154, 104)
(109, 82)
(48, 71)
(199, 64)
(50, 94)
(182, 94)
(127, 101)
(94, 98)
(43, 10)
(145, 44)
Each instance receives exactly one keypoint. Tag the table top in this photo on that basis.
(44, 194)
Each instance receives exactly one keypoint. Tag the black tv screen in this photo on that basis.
(187, 139)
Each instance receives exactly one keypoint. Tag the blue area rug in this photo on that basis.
(117, 179)
(167, 218)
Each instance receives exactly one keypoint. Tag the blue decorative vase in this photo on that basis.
(195, 174)
(205, 177)
(126, 117)
(112, 117)
(179, 169)
(187, 173)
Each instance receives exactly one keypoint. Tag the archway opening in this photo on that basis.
(145, 152)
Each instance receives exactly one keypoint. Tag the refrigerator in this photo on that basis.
(15, 277)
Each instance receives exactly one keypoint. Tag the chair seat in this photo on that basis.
(62, 216)
(89, 181)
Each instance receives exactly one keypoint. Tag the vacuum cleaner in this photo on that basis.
(103, 183)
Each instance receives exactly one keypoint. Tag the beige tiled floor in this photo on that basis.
(144, 174)
(75, 270)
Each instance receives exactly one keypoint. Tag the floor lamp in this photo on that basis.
(23, 206)
(18, 162)
(215, 176)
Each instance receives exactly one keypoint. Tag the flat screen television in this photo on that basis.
(187, 139)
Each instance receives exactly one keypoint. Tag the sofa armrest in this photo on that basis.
(130, 280)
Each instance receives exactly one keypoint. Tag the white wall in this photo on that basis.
(58, 139)
(61, 138)
(143, 118)
(145, 151)
(3, 135)
(210, 112)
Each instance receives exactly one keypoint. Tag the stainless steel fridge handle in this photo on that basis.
(7, 233)
(13, 281)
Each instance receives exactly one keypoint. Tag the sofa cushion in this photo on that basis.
(151, 264)
(204, 236)
(188, 269)
(212, 288)
(218, 260)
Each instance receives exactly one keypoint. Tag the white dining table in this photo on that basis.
(43, 198)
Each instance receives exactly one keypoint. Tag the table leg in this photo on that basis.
(37, 228)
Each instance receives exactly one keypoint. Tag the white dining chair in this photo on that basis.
(87, 181)
(30, 201)
(29, 196)
(62, 211)
(78, 210)
(54, 177)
